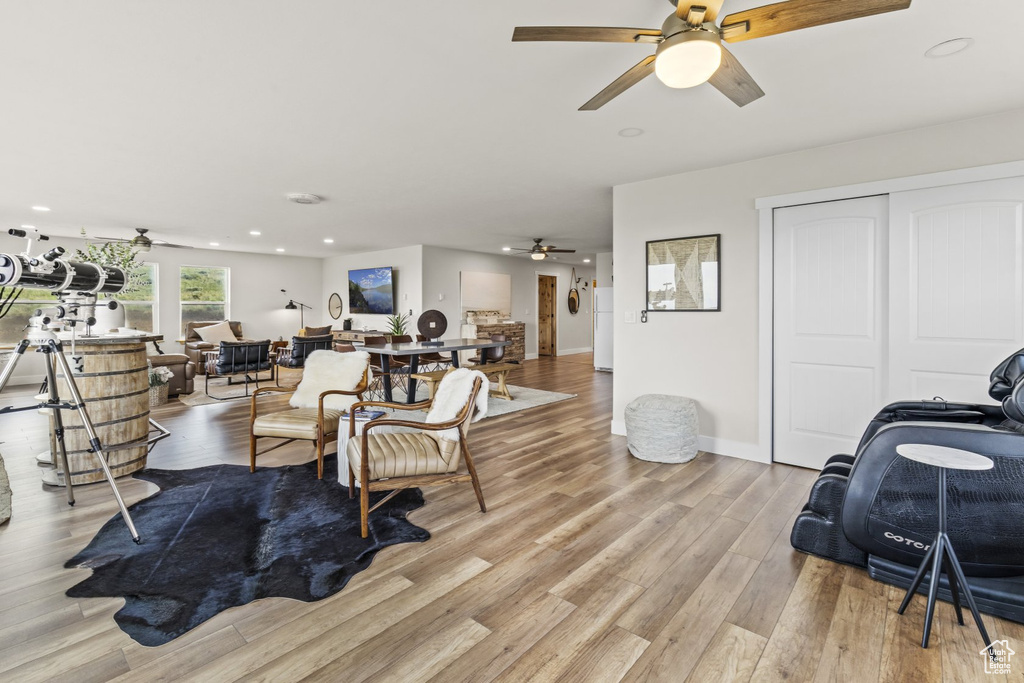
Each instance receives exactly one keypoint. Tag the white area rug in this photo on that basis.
(524, 398)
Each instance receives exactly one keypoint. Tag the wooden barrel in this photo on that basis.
(113, 379)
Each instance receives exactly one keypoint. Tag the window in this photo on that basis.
(12, 325)
(204, 293)
(140, 300)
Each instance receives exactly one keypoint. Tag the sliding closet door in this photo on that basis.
(830, 326)
(956, 287)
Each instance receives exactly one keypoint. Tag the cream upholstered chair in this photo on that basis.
(388, 461)
(331, 383)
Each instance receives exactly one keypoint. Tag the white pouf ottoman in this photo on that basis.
(662, 428)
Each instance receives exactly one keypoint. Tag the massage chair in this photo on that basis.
(878, 510)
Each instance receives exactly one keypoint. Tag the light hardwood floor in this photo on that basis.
(589, 565)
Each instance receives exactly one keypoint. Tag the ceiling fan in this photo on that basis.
(690, 50)
(143, 243)
(539, 252)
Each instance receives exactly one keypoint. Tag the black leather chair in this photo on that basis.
(878, 510)
(247, 358)
(295, 357)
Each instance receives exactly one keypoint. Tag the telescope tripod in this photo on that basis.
(52, 347)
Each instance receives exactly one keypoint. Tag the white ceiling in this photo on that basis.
(422, 123)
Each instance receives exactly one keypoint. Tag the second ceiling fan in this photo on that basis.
(690, 49)
(539, 252)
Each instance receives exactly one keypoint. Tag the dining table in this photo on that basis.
(413, 350)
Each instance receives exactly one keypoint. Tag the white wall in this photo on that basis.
(441, 269)
(407, 265)
(713, 357)
(604, 269)
(255, 298)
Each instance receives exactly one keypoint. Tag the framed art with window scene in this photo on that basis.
(684, 274)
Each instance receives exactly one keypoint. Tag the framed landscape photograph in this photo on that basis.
(371, 290)
(684, 274)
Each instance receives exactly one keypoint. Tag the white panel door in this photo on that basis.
(956, 288)
(830, 326)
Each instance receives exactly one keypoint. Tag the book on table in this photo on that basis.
(364, 415)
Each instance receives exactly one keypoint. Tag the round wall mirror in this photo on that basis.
(574, 301)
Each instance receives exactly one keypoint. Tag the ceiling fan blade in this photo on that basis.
(552, 250)
(157, 243)
(711, 9)
(586, 34)
(797, 14)
(733, 81)
(621, 84)
(110, 239)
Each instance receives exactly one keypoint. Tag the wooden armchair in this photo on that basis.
(391, 462)
(317, 421)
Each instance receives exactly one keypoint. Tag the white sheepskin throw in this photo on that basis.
(451, 396)
(326, 370)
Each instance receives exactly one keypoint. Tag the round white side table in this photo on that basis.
(940, 555)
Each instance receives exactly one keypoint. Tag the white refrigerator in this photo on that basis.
(604, 322)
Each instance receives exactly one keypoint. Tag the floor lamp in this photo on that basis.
(292, 305)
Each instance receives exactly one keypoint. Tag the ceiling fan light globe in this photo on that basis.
(688, 58)
(538, 256)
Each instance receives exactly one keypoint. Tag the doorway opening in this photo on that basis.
(547, 311)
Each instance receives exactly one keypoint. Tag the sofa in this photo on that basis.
(183, 372)
(195, 347)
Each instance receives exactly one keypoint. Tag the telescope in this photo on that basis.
(50, 271)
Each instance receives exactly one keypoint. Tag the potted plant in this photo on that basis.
(120, 254)
(159, 383)
(346, 324)
(396, 324)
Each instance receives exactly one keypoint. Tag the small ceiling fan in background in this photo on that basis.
(539, 252)
(143, 243)
(690, 50)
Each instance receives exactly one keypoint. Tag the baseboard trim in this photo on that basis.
(734, 449)
(531, 356)
(570, 352)
(710, 444)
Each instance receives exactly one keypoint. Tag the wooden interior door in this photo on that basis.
(546, 312)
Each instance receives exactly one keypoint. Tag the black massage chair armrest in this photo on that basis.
(929, 411)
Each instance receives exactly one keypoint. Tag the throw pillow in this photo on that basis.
(327, 370)
(315, 331)
(215, 334)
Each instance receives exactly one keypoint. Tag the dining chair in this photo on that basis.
(494, 354)
(395, 366)
(430, 456)
(433, 359)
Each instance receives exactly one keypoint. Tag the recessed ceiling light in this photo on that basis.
(279, 249)
(304, 198)
(29, 227)
(257, 233)
(586, 260)
(328, 240)
(40, 208)
(949, 47)
(214, 244)
(503, 248)
(631, 132)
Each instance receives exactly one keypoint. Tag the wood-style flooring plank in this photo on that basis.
(644, 571)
